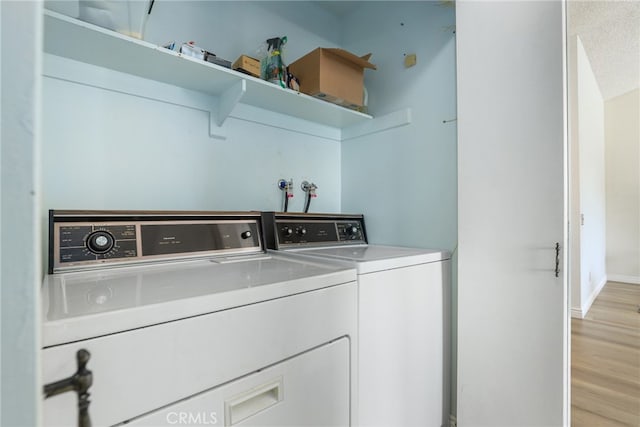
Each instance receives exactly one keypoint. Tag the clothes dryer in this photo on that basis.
(182, 318)
(403, 327)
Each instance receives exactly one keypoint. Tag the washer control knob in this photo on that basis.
(246, 234)
(302, 231)
(100, 242)
(352, 230)
(287, 231)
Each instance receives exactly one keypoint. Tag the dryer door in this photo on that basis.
(311, 389)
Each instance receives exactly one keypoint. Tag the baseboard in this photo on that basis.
(453, 421)
(587, 305)
(634, 280)
(576, 313)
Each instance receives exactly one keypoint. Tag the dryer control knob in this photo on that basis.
(352, 230)
(100, 242)
(287, 231)
(302, 231)
(245, 234)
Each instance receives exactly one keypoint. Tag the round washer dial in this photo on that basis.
(100, 242)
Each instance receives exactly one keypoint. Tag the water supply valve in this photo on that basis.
(287, 187)
(309, 188)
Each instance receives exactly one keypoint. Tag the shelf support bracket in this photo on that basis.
(229, 99)
(379, 124)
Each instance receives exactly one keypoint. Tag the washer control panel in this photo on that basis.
(311, 230)
(81, 239)
(79, 242)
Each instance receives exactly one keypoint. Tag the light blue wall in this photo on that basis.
(110, 150)
(404, 179)
(229, 28)
(20, 274)
(104, 149)
(226, 28)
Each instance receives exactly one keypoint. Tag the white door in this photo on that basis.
(512, 321)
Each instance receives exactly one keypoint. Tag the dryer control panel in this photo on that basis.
(285, 230)
(92, 239)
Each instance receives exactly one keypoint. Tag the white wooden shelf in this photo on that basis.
(74, 39)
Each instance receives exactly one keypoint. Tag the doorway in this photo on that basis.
(603, 82)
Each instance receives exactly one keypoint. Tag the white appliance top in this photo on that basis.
(86, 304)
(113, 271)
(341, 237)
(372, 258)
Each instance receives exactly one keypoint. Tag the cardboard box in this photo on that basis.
(334, 75)
(248, 65)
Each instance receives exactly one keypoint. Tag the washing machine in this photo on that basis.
(403, 337)
(183, 318)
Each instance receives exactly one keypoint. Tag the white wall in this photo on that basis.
(592, 191)
(622, 130)
(20, 384)
(574, 178)
(589, 187)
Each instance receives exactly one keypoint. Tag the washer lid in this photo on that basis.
(372, 258)
(87, 304)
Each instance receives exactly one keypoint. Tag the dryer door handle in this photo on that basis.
(255, 400)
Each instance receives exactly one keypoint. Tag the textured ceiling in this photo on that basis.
(610, 34)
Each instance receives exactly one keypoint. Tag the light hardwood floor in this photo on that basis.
(605, 360)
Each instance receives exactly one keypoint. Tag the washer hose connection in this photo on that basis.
(309, 188)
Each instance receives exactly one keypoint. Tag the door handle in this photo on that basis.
(557, 259)
(80, 382)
